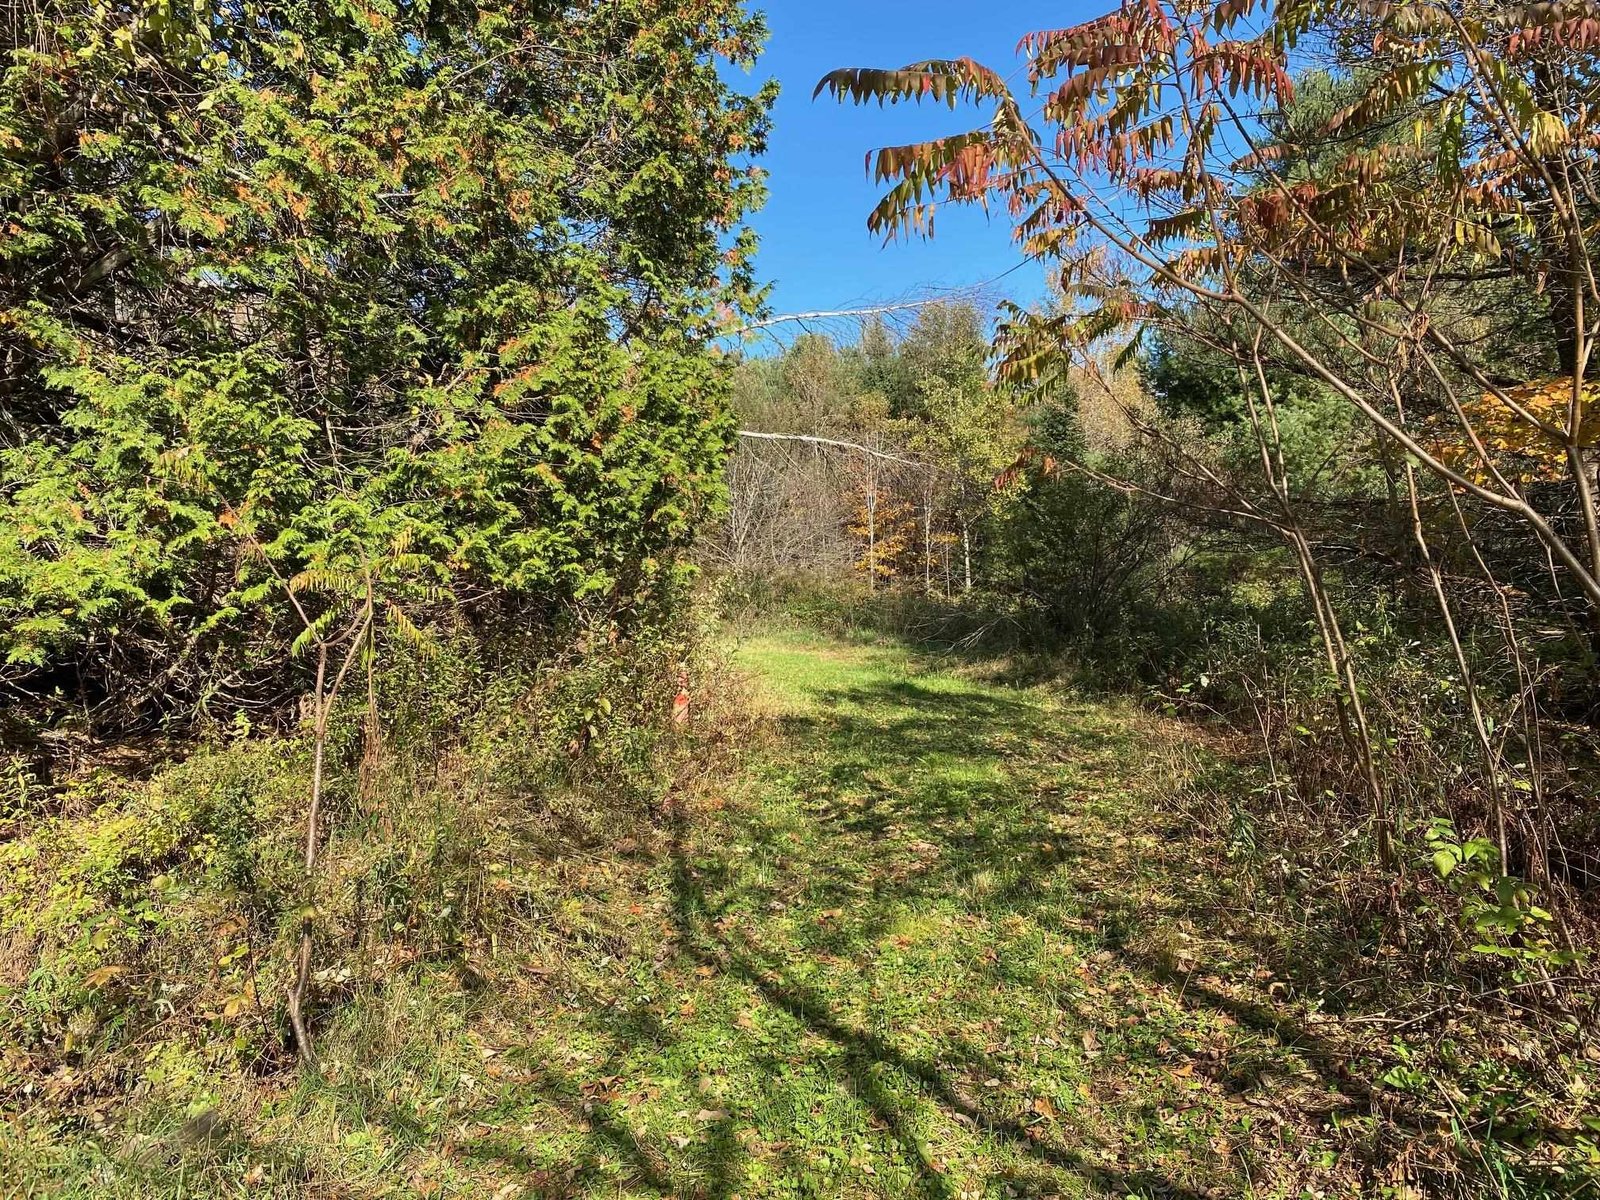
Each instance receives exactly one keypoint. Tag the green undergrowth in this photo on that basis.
(150, 911)
(888, 927)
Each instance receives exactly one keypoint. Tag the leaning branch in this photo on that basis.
(822, 441)
(838, 314)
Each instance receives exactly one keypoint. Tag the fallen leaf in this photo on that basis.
(103, 976)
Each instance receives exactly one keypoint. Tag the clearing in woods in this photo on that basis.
(938, 937)
(943, 942)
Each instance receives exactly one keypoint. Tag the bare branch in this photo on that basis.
(822, 441)
(836, 314)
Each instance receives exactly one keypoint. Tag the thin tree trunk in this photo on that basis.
(1352, 713)
(872, 536)
(297, 990)
(966, 545)
(1491, 757)
(327, 696)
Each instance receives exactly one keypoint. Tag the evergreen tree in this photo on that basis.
(295, 296)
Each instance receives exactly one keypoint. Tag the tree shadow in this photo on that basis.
(865, 1052)
(855, 795)
(907, 795)
(867, 781)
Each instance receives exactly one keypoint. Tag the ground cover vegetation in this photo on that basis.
(1334, 271)
(1144, 749)
(360, 400)
(1436, 977)
(1346, 252)
(905, 928)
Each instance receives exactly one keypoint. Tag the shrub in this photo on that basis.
(166, 912)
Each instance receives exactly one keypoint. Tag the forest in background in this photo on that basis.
(1104, 516)
(913, 481)
(1349, 252)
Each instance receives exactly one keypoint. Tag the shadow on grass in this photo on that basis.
(980, 829)
(893, 797)
(919, 765)
(869, 780)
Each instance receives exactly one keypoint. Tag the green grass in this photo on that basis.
(944, 938)
(889, 965)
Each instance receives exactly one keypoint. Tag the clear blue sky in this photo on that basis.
(815, 244)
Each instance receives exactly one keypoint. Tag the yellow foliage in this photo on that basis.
(885, 528)
(1523, 430)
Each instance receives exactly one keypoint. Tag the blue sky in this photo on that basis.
(815, 244)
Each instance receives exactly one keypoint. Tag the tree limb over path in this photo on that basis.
(822, 441)
(802, 318)
(981, 294)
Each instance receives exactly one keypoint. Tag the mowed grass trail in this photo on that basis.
(930, 947)
(937, 937)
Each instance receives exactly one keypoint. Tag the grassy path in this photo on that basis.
(933, 936)
(930, 951)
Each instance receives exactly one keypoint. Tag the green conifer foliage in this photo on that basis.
(412, 296)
